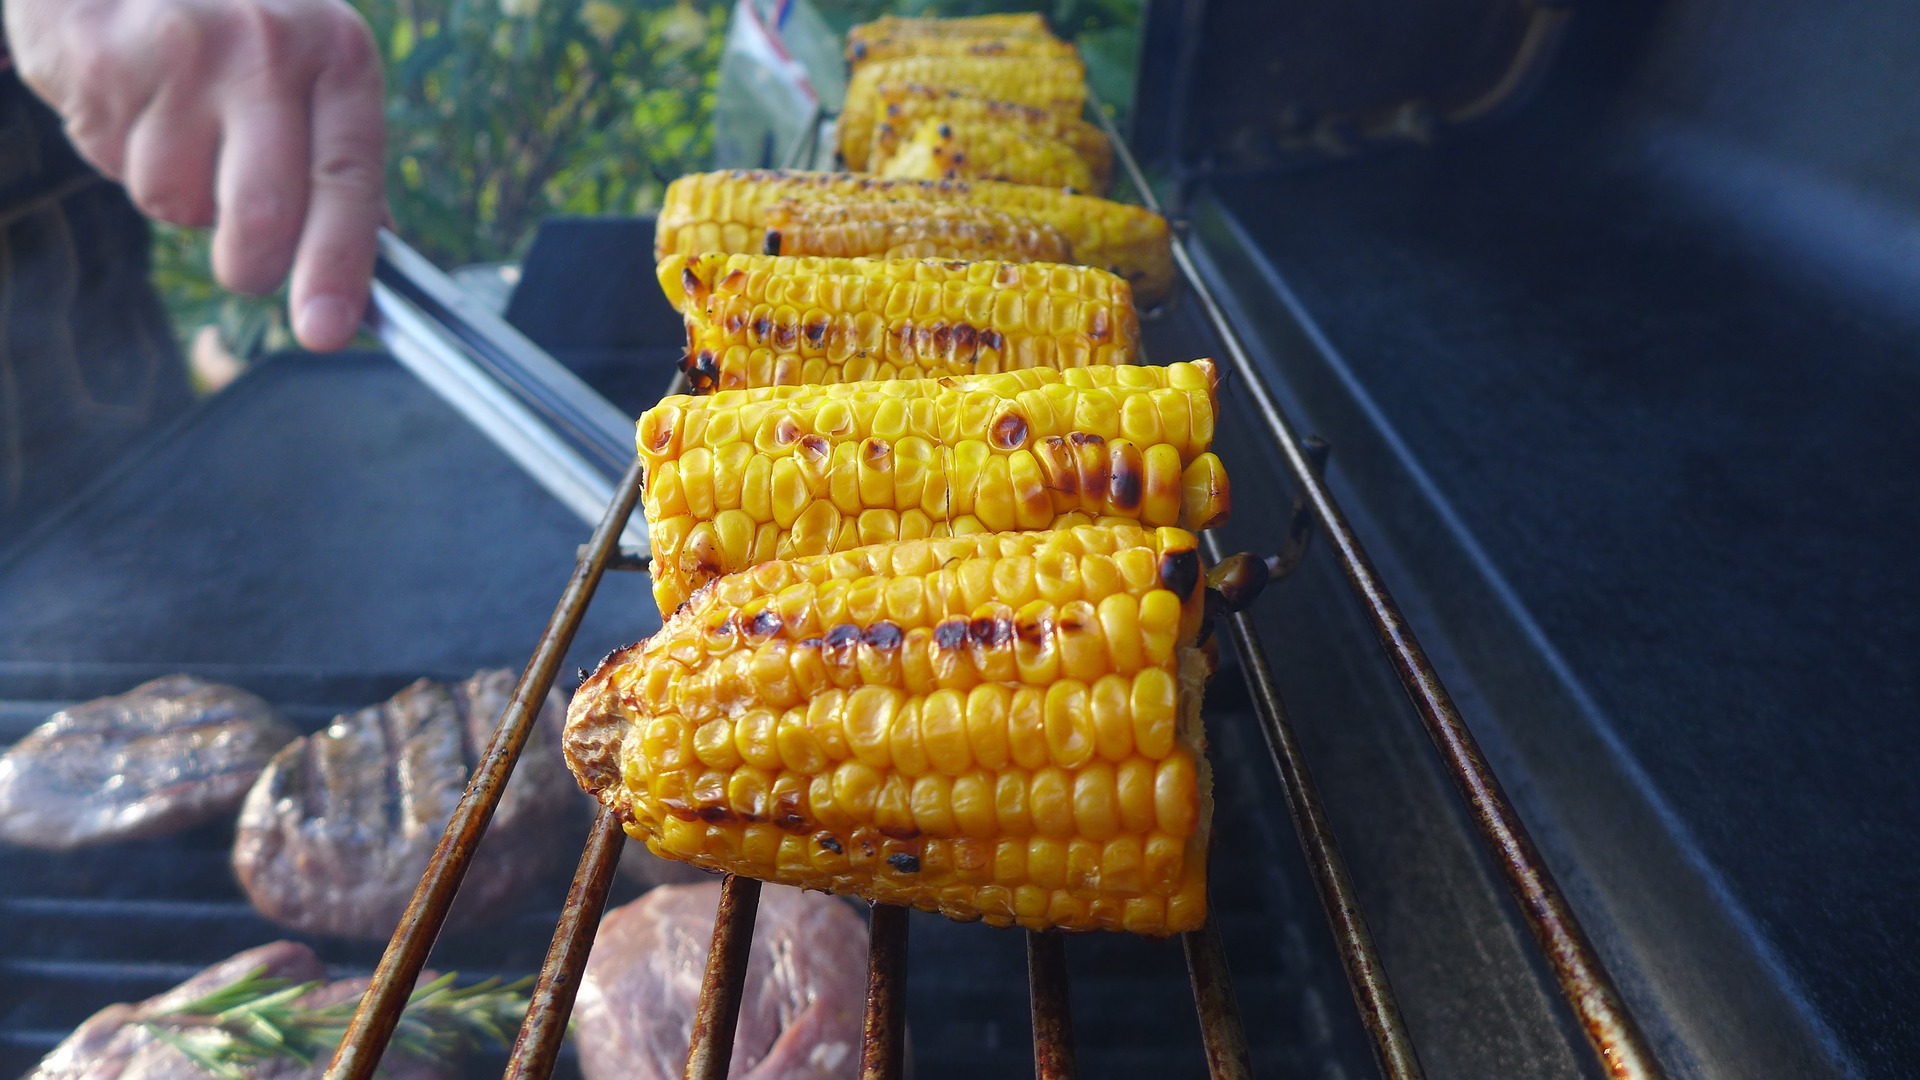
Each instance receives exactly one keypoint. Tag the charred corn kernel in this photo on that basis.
(904, 742)
(811, 470)
(902, 106)
(729, 211)
(1057, 84)
(921, 309)
(937, 148)
(886, 229)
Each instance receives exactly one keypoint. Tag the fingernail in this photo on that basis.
(324, 322)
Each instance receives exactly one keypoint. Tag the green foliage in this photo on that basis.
(501, 112)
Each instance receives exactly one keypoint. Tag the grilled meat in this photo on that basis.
(114, 1044)
(800, 1014)
(166, 755)
(337, 831)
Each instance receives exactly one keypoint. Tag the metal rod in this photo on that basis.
(373, 1022)
(711, 1050)
(1220, 1028)
(514, 360)
(1583, 979)
(1052, 1017)
(1366, 976)
(538, 1045)
(883, 1044)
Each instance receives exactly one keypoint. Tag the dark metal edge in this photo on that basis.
(883, 1033)
(710, 1052)
(1053, 1056)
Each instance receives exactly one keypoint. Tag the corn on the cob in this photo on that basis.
(936, 149)
(744, 476)
(877, 49)
(727, 211)
(1000, 726)
(763, 320)
(910, 230)
(1056, 85)
(902, 105)
(1024, 25)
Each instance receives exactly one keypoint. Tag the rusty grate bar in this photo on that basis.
(538, 1045)
(711, 1050)
(373, 1022)
(1583, 979)
(1220, 1029)
(883, 1032)
(1052, 1015)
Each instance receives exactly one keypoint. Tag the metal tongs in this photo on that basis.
(568, 438)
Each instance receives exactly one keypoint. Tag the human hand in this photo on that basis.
(262, 118)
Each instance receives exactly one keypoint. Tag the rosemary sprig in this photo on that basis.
(257, 1018)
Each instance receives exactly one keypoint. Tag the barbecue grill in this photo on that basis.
(1628, 904)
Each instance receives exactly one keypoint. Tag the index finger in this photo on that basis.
(333, 265)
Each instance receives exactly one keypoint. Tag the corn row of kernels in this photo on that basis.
(910, 230)
(1000, 882)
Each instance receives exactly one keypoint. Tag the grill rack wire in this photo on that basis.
(1619, 1046)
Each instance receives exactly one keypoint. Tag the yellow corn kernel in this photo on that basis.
(944, 148)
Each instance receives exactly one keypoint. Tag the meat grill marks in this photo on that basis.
(337, 831)
(167, 755)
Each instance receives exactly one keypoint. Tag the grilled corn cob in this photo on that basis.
(1009, 24)
(763, 320)
(902, 105)
(1000, 726)
(937, 149)
(744, 476)
(727, 211)
(1056, 85)
(894, 48)
(910, 230)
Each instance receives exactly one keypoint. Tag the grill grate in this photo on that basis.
(1584, 982)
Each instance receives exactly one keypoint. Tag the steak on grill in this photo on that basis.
(337, 831)
(114, 1044)
(800, 1013)
(166, 755)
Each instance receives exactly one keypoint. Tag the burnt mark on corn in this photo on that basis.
(966, 341)
(771, 245)
(1180, 571)
(867, 848)
(992, 339)
(703, 370)
(1124, 483)
(808, 643)
(1100, 327)
(1009, 431)
(735, 280)
(951, 634)
(840, 642)
(990, 633)
(815, 448)
(716, 815)
(876, 450)
(785, 431)
(1086, 438)
(785, 335)
(1034, 633)
(883, 635)
(762, 326)
(765, 623)
(831, 843)
(691, 285)
(662, 435)
(946, 131)
(904, 863)
(942, 340)
(1056, 466)
(816, 332)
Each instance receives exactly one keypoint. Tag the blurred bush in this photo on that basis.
(501, 112)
